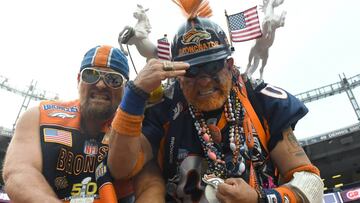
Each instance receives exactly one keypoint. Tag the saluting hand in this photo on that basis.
(150, 77)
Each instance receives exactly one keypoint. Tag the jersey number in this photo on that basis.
(274, 92)
(81, 189)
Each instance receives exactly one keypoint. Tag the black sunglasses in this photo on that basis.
(111, 79)
(211, 68)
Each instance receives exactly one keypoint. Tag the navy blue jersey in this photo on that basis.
(74, 165)
(170, 129)
(280, 109)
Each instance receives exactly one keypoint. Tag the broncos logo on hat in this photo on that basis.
(194, 36)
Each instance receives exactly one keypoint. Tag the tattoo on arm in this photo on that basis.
(292, 139)
(293, 145)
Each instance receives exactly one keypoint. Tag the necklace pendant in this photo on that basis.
(212, 180)
(210, 194)
(212, 183)
(206, 137)
(211, 155)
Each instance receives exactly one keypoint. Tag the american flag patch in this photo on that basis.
(58, 136)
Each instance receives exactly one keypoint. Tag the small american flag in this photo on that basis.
(163, 49)
(244, 25)
(58, 136)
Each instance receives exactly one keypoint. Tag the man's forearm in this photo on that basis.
(152, 193)
(28, 185)
(124, 155)
(125, 144)
(149, 184)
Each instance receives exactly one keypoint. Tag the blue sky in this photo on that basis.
(45, 41)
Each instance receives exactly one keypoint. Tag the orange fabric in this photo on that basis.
(138, 166)
(64, 114)
(127, 124)
(264, 139)
(285, 191)
(107, 194)
(252, 177)
(248, 130)
(222, 122)
(101, 57)
(309, 168)
(192, 8)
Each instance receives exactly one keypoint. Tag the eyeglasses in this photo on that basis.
(211, 68)
(111, 79)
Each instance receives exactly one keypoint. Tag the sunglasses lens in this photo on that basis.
(113, 80)
(192, 72)
(213, 68)
(209, 68)
(90, 76)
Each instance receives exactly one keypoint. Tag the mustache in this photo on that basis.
(98, 91)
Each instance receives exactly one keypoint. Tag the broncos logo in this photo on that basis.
(61, 115)
(194, 36)
(177, 110)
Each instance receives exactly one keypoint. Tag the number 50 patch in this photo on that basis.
(274, 92)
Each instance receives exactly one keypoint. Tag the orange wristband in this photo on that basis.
(287, 195)
(127, 124)
(309, 168)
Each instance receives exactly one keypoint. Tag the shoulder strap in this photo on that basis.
(254, 101)
(242, 94)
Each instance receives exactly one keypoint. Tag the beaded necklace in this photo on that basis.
(219, 164)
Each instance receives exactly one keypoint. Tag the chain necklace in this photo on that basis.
(218, 164)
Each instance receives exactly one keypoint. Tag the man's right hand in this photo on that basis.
(150, 77)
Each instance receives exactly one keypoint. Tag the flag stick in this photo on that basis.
(227, 22)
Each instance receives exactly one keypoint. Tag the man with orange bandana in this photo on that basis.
(59, 149)
(217, 136)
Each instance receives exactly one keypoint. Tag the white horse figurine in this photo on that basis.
(260, 51)
(138, 35)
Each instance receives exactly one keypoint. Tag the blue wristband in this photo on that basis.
(132, 103)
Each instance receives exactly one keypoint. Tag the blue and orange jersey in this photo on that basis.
(74, 164)
(170, 129)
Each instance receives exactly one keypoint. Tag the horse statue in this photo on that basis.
(138, 35)
(260, 51)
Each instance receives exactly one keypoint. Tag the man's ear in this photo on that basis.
(230, 63)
